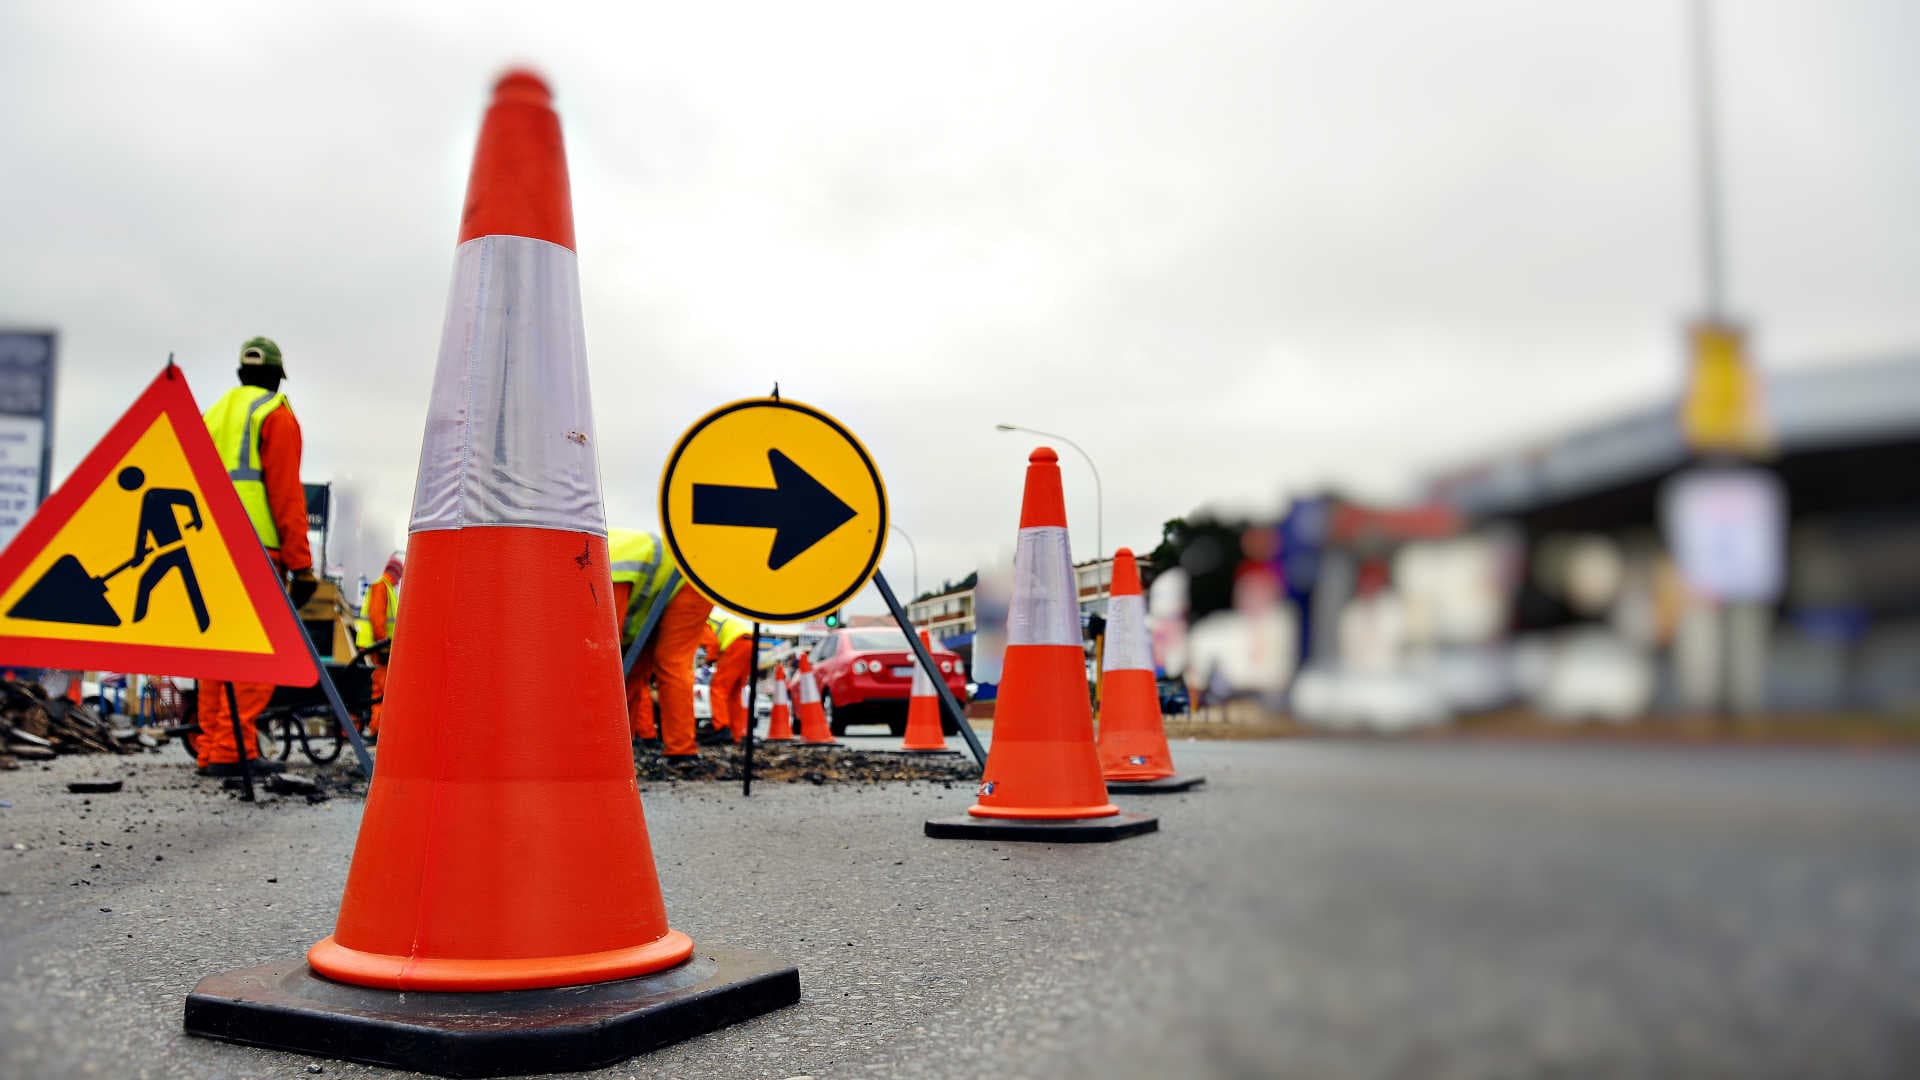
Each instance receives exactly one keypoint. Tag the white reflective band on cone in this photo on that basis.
(780, 692)
(809, 690)
(509, 437)
(922, 685)
(1127, 647)
(1046, 601)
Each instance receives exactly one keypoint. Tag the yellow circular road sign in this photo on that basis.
(773, 510)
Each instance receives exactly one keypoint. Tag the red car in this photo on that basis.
(866, 677)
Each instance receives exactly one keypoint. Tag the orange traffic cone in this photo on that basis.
(1042, 780)
(488, 860)
(780, 724)
(1132, 745)
(813, 719)
(923, 711)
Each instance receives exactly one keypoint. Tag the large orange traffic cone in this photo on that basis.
(813, 719)
(1132, 745)
(780, 723)
(1042, 780)
(488, 859)
(923, 710)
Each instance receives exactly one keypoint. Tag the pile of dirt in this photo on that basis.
(790, 763)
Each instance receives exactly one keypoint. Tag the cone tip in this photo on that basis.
(522, 86)
(1043, 455)
(1126, 574)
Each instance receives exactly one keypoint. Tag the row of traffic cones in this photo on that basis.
(502, 912)
(1046, 777)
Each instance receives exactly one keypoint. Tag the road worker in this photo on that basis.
(640, 571)
(258, 438)
(379, 612)
(733, 638)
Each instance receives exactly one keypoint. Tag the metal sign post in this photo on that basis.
(653, 619)
(753, 693)
(926, 662)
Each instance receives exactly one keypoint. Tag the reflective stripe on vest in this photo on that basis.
(728, 631)
(639, 559)
(234, 423)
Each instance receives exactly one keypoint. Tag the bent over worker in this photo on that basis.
(379, 614)
(259, 441)
(640, 571)
(734, 636)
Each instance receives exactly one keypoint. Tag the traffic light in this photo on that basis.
(833, 620)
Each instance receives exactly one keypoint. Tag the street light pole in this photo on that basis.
(916, 558)
(1099, 500)
(1707, 147)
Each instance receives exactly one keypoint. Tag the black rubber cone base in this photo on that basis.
(285, 1006)
(1068, 831)
(1166, 785)
(898, 752)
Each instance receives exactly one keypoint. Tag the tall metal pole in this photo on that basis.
(1706, 137)
(1099, 499)
(916, 558)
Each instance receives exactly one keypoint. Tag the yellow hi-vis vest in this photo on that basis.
(729, 630)
(234, 422)
(365, 635)
(640, 559)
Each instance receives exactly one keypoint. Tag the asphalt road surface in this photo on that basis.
(1319, 909)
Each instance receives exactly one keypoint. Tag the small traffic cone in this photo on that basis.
(923, 711)
(780, 724)
(813, 719)
(1042, 780)
(1132, 745)
(488, 861)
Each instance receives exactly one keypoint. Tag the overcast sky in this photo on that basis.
(1235, 250)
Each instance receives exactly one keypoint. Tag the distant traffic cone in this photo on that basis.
(923, 710)
(813, 718)
(488, 860)
(780, 724)
(1132, 745)
(1042, 780)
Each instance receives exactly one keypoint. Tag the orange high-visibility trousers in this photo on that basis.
(215, 743)
(379, 693)
(729, 678)
(668, 658)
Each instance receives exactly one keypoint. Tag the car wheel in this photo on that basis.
(897, 727)
(835, 724)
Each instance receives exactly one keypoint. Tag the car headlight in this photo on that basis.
(946, 665)
(959, 667)
(859, 667)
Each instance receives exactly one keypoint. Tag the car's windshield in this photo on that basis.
(873, 640)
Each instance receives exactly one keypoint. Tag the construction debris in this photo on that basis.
(94, 787)
(799, 763)
(35, 727)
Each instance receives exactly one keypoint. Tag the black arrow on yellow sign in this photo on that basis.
(800, 510)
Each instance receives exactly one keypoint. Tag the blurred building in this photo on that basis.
(1585, 510)
(950, 619)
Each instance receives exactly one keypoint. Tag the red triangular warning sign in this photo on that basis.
(144, 561)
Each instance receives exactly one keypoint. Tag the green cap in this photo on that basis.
(261, 350)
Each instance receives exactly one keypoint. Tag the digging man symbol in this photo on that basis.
(66, 593)
(158, 521)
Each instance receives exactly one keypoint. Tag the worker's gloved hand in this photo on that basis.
(302, 587)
